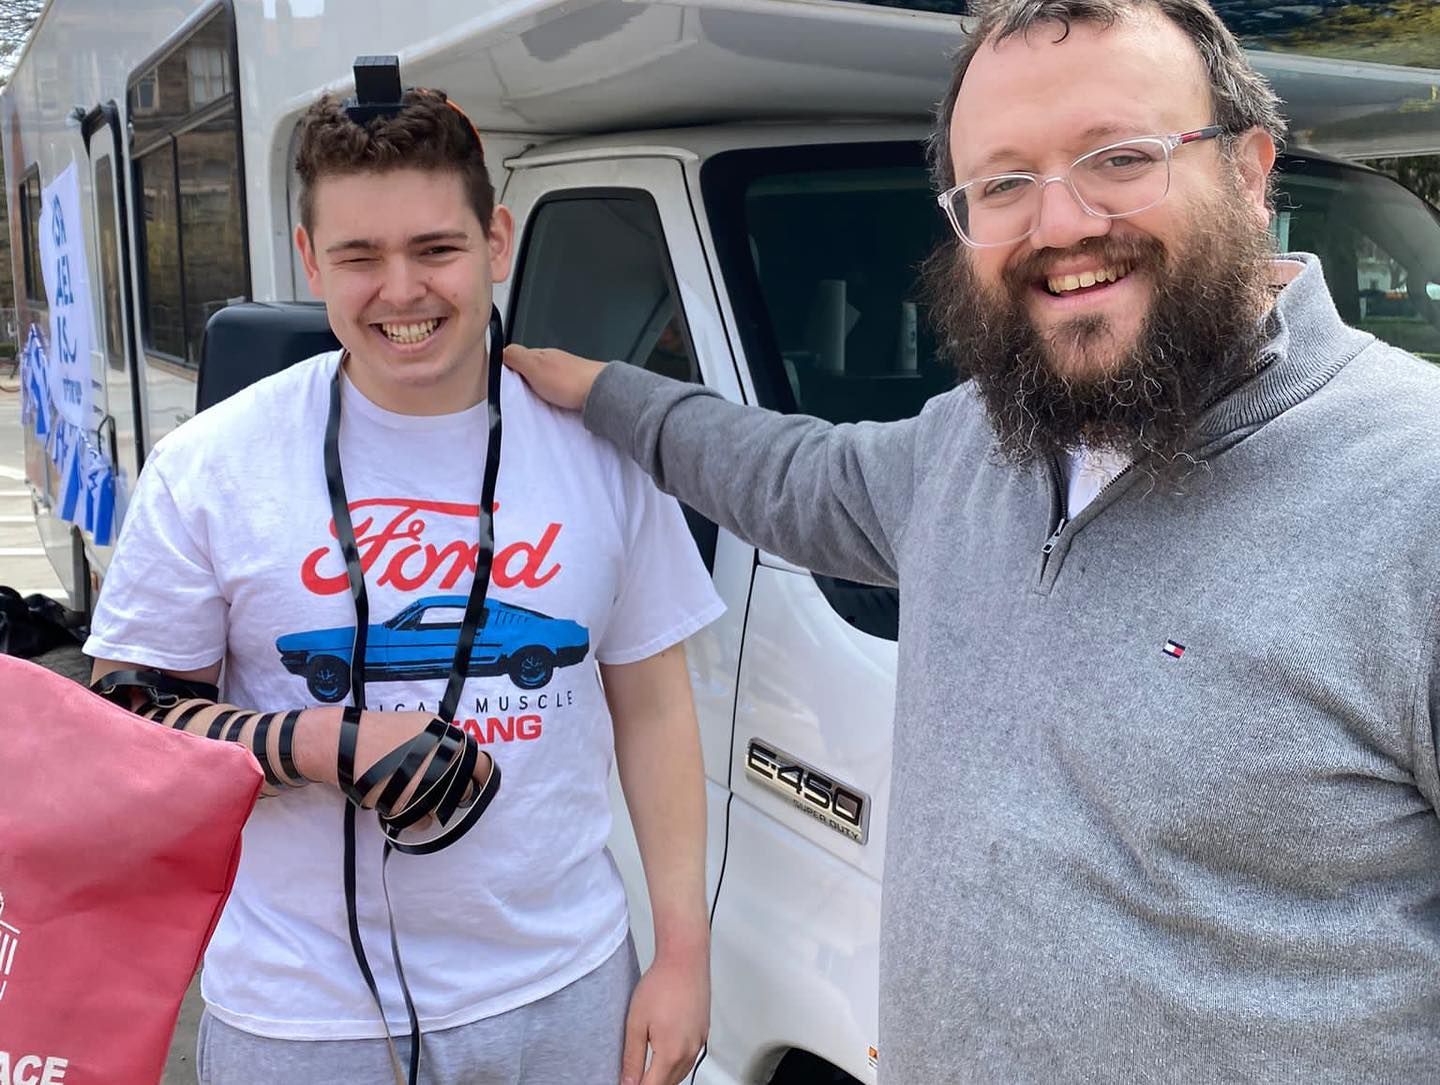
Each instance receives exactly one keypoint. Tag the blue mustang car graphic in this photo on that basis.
(419, 643)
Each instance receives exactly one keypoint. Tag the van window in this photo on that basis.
(186, 148)
(29, 202)
(1378, 243)
(820, 248)
(160, 246)
(109, 244)
(212, 238)
(595, 279)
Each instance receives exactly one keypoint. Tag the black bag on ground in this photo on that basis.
(36, 624)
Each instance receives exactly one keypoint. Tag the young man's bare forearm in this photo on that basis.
(657, 751)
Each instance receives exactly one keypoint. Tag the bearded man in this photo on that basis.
(1168, 671)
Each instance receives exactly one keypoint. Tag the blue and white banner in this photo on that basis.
(99, 487)
(67, 284)
(34, 385)
(69, 447)
(55, 378)
(84, 479)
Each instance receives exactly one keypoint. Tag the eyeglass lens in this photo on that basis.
(1111, 182)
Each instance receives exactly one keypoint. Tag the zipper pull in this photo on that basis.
(1054, 538)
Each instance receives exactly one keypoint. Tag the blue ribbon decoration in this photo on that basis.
(86, 476)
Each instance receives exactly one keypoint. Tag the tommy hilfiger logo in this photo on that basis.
(1173, 649)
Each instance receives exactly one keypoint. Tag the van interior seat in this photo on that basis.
(248, 341)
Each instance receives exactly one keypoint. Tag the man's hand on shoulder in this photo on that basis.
(561, 379)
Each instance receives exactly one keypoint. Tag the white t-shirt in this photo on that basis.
(1087, 472)
(228, 551)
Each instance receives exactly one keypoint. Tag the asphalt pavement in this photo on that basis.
(25, 567)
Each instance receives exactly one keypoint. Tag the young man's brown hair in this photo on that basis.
(428, 134)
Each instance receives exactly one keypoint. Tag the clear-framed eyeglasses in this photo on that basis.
(1111, 182)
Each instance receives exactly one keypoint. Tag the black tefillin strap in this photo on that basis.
(447, 779)
(153, 693)
(160, 690)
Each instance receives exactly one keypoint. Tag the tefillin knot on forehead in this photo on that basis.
(378, 93)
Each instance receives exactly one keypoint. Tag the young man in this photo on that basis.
(1168, 590)
(514, 939)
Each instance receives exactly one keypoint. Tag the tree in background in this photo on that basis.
(1420, 174)
(17, 19)
(1382, 31)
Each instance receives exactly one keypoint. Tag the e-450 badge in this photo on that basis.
(824, 798)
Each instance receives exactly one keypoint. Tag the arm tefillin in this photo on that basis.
(428, 777)
(187, 705)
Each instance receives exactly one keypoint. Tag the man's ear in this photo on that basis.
(500, 238)
(1254, 157)
(306, 247)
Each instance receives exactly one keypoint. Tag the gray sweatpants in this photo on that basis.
(571, 1037)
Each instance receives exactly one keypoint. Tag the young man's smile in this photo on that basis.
(411, 336)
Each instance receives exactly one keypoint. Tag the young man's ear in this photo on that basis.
(500, 238)
(308, 259)
(1254, 157)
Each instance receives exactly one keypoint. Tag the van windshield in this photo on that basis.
(820, 248)
(1378, 242)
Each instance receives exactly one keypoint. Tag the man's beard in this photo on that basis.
(1201, 338)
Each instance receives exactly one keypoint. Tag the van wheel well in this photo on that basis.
(802, 1068)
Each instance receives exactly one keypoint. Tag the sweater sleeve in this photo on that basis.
(1425, 732)
(833, 498)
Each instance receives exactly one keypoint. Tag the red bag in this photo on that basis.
(119, 840)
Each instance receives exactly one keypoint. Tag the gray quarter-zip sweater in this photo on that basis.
(1107, 862)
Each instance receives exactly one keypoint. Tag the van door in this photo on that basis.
(816, 246)
(609, 265)
(114, 358)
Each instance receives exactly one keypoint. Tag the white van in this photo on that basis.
(726, 191)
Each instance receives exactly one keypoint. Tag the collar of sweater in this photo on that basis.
(1308, 345)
